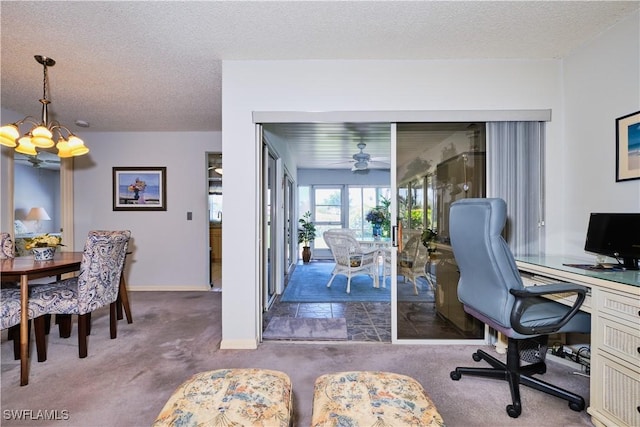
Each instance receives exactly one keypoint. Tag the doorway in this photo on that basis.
(215, 205)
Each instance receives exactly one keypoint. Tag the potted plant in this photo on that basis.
(306, 235)
(428, 238)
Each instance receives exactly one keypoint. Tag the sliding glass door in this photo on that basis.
(436, 164)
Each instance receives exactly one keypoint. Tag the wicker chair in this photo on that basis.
(351, 259)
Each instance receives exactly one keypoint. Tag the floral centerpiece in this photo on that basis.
(43, 246)
(377, 216)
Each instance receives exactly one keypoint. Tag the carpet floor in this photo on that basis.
(125, 382)
(308, 283)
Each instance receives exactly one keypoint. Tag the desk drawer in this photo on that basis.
(620, 340)
(615, 393)
(624, 307)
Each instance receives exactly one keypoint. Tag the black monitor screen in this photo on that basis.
(616, 235)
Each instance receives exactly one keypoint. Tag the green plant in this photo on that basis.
(428, 238)
(307, 229)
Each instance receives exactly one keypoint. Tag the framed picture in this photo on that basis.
(139, 189)
(628, 147)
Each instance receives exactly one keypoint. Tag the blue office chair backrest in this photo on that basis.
(487, 266)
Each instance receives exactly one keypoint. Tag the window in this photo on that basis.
(363, 199)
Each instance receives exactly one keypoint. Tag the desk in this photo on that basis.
(25, 269)
(614, 304)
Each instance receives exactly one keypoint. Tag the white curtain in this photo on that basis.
(515, 165)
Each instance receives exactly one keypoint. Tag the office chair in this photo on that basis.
(491, 290)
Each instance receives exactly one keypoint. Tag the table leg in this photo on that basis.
(24, 329)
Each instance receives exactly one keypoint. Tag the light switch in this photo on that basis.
(189, 216)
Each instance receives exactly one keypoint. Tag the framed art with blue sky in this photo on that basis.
(628, 147)
(139, 188)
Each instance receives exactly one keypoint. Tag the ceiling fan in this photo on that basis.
(36, 161)
(362, 160)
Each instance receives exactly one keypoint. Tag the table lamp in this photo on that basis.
(38, 214)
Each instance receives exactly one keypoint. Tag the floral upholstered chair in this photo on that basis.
(95, 286)
(6, 246)
(10, 311)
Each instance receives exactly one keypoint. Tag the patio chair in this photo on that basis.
(351, 259)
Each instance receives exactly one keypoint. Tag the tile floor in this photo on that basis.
(371, 321)
(366, 321)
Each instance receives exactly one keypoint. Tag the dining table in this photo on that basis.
(25, 269)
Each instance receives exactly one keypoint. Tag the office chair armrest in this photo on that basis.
(521, 304)
(552, 288)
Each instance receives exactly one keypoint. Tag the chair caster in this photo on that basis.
(576, 406)
(455, 375)
(476, 357)
(514, 411)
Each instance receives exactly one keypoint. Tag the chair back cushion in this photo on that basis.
(101, 267)
(487, 267)
(6, 246)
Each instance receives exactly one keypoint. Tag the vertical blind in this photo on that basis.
(515, 165)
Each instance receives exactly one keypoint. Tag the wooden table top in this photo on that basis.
(62, 262)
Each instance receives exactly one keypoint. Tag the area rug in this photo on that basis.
(308, 283)
(308, 329)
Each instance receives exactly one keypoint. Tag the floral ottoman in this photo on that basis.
(369, 398)
(225, 397)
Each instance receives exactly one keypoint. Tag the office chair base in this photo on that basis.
(515, 375)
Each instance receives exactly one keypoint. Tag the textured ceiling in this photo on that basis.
(156, 65)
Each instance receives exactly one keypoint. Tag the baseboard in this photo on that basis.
(157, 288)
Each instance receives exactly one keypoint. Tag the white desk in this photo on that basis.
(614, 304)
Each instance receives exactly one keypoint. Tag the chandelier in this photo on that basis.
(42, 133)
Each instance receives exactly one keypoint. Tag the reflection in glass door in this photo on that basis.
(269, 227)
(436, 164)
(290, 225)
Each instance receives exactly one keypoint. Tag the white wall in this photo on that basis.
(601, 82)
(169, 252)
(254, 86)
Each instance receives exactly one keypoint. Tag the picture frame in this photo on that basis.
(628, 147)
(139, 188)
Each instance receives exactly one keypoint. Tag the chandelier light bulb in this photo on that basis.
(26, 147)
(63, 148)
(76, 145)
(41, 137)
(8, 135)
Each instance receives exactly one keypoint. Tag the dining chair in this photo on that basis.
(96, 285)
(10, 310)
(6, 246)
(350, 258)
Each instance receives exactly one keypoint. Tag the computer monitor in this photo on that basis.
(616, 235)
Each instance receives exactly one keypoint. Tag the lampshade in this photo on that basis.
(38, 214)
(43, 133)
